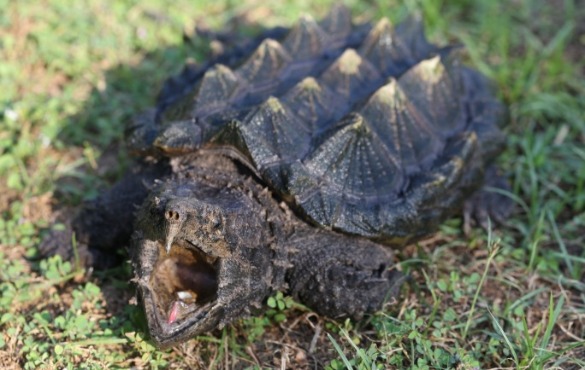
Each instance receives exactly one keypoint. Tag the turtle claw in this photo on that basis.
(489, 205)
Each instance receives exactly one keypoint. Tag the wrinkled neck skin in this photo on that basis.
(212, 243)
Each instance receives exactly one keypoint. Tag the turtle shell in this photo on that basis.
(369, 130)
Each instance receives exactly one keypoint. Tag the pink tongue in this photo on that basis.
(173, 312)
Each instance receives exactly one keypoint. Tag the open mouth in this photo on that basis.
(184, 281)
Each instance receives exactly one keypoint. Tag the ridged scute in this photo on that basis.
(434, 85)
(338, 22)
(216, 88)
(265, 64)
(272, 134)
(350, 75)
(361, 128)
(355, 162)
(407, 135)
(393, 52)
(306, 39)
(312, 102)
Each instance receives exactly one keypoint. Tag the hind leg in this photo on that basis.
(488, 205)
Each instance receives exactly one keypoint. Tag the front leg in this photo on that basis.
(339, 275)
(104, 224)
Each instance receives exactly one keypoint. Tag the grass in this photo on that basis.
(73, 72)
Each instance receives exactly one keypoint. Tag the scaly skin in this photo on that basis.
(214, 215)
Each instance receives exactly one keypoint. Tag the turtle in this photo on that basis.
(297, 162)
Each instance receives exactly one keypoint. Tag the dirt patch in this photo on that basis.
(7, 197)
(38, 208)
(9, 356)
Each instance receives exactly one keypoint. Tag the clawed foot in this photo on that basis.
(489, 205)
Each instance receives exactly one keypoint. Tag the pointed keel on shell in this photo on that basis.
(306, 39)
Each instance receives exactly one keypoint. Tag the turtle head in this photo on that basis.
(202, 258)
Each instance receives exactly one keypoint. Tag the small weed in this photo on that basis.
(278, 304)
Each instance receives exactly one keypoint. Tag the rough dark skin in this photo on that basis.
(252, 245)
(295, 164)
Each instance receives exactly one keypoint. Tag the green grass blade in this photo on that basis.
(493, 251)
(502, 333)
(340, 352)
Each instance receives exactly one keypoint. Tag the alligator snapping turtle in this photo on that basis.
(293, 163)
